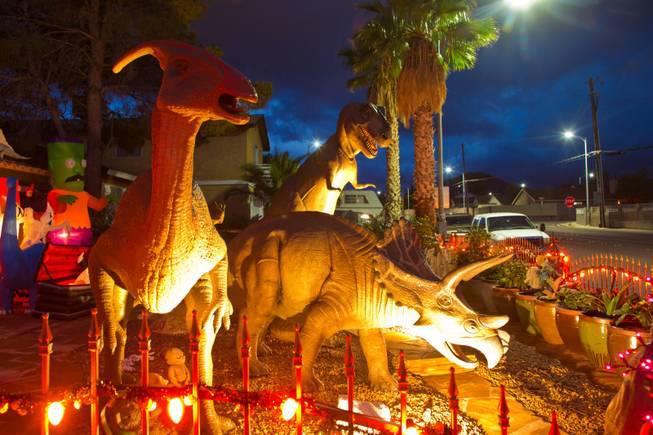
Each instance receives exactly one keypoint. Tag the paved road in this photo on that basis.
(581, 241)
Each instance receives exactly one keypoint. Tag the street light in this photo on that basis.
(520, 5)
(591, 174)
(448, 170)
(317, 143)
(568, 134)
(523, 185)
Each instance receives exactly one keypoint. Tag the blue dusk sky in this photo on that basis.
(509, 111)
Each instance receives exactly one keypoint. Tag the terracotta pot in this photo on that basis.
(478, 295)
(525, 306)
(622, 339)
(593, 333)
(567, 322)
(545, 317)
(504, 301)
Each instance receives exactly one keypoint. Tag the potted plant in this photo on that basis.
(571, 303)
(594, 325)
(635, 321)
(476, 292)
(510, 279)
(540, 278)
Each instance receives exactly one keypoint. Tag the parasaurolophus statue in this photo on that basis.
(162, 248)
(316, 186)
(338, 276)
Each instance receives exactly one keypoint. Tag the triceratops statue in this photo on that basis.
(338, 276)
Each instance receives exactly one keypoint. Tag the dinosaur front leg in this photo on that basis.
(376, 355)
(206, 299)
(114, 304)
(322, 322)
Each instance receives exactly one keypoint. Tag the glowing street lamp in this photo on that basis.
(523, 185)
(520, 5)
(317, 143)
(448, 170)
(568, 135)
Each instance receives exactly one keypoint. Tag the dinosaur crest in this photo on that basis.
(402, 245)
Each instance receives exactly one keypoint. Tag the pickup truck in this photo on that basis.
(502, 226)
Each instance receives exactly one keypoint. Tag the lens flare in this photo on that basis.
(289, 408)
(55, 413)
(521, 5)
(175, 410)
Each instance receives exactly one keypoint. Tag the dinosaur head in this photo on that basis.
(196, 83)
(363, 128)
(445, 322)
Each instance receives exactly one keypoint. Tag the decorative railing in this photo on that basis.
(613, 273)
(52, 404)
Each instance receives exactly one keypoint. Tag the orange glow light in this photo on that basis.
(412, 430)
(151, 405)
(188, 400)
(4, 408)
(289, 408)
(55, 413)
(77, 404)
(175, 410)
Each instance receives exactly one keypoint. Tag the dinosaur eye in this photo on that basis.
(70, 163)
(444, 301)
(471, 326)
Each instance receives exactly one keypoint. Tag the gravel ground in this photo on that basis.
(543, 384)
(423, 402)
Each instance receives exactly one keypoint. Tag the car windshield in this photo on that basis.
(509, 223)
(459, 220)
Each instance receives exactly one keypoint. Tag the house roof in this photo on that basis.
(523, 194)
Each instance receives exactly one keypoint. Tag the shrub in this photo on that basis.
(478, 244)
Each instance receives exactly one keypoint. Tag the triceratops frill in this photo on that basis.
(338, 276)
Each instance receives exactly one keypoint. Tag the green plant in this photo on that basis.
(427, 233)
(477, 247)
(642, 310)
(512, 274)
(375, 225)
(576, 299)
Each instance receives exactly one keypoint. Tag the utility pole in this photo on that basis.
(462, 153)
(598, 160)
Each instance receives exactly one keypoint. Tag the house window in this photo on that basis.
(356, 199)
(129, 152)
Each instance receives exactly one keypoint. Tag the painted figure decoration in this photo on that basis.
(67, 198)
(18, 265)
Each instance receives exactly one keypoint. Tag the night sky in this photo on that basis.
(508, 111)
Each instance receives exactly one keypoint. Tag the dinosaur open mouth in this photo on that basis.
(76, 177)
(235, 108)
(368, 141)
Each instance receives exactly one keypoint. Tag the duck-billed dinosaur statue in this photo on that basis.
(318, 183)
(162, 247)
(340, 277)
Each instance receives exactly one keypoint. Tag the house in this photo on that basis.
(524, 198)
(220, 152)
(359, 204)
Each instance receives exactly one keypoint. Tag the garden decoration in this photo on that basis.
(7, 150)
(336, 273)
(631, 409)
(178, 373)
(162, 248)
(67, 198)
(318, 183)
(18, 266)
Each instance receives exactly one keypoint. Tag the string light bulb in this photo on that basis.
(289, 408)
(175, 410)
(55, 413)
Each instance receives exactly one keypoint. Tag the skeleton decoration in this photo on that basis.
(337, 276)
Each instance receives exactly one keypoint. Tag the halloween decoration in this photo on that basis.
(336, 275)
(18, 266)
(7, 150)
(162, 247)
(67, 198)
(316, 186)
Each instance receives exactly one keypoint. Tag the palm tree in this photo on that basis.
(375, 58)
(267, 182)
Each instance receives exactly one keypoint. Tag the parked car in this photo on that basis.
(458, 224)
(502, 226)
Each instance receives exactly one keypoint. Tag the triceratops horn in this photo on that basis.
(493, 322)
(469, 271)
(160, 49)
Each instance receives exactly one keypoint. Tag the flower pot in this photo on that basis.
(622, 339)
(567, 322)
(593, 333)
(478, 295)
(504, 301)
(545, 317)
(525, 306)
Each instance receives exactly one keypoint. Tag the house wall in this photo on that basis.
(633, 216)
(543, 210)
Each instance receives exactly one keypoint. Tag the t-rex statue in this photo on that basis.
(338, 276)
(318, 183)
(162, 247)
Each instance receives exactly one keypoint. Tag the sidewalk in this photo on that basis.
(575, 225)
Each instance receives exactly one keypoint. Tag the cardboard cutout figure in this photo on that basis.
(18, 266)
(67, 198)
